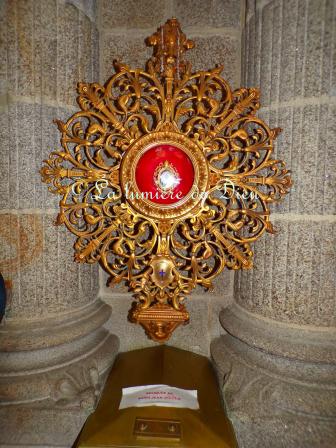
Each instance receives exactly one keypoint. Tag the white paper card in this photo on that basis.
(158, 395)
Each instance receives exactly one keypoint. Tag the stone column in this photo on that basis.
(277, 362)
(54, 351)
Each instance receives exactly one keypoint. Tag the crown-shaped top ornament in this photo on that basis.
(166, 177)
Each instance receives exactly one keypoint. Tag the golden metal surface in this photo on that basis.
(162, 212)
(170, 44)
(149, 428)
(236, 178)
(204, 428)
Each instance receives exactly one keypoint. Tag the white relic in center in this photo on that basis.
(168, 180)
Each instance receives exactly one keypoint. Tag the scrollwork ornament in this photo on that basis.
(163, 250)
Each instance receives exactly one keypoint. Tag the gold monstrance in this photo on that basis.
(166, 177)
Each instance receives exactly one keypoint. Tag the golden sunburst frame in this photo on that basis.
(168, 128)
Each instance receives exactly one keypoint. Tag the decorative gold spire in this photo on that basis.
(169, 45)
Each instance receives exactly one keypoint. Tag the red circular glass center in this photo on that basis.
(164, 174)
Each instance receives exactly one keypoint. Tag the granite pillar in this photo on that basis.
(277, 361)
(54, 351)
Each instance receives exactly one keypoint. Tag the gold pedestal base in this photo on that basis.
(208, 427)
(159, 320)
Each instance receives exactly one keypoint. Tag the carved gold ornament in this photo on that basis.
(166, 178)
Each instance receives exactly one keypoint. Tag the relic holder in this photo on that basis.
(222, 163)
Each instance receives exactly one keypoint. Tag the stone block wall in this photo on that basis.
(271, 330)
(216, 27)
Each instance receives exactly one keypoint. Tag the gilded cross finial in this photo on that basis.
(169, 45)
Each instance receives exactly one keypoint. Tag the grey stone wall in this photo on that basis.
(215, 26)
(277, 363)
(294, 65)
(43, 58)
(274, 344)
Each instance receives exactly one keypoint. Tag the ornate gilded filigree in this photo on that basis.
(163, 252)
